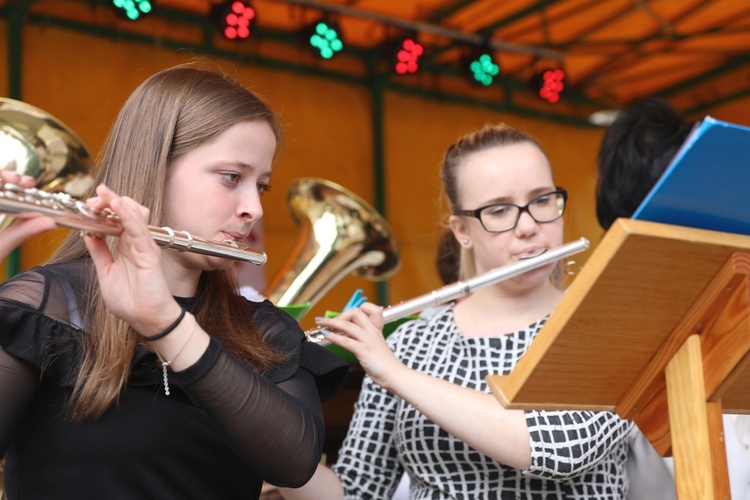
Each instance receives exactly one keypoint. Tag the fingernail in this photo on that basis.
(324, 332)
(319, 318)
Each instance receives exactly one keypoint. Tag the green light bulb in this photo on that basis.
(326, 40)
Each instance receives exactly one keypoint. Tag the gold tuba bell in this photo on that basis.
(35, 143)
(340, 234)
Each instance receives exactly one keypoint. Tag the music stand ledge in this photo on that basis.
(656, 327)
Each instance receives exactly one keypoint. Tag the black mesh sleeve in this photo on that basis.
(277, 428)
(274, 422)
(18, 381)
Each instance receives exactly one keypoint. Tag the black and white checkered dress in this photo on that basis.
(575, 454)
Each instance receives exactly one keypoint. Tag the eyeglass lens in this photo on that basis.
(504, 216)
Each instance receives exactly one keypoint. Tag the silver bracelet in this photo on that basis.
(165, 364)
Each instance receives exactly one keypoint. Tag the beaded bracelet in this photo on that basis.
(165, 364)
(168, 330)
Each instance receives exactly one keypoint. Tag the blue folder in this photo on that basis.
(707, 184)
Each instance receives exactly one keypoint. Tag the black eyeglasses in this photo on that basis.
(500, 217)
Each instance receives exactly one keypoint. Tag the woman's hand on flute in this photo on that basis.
(26, 225)
(360, 331)
(132, 279)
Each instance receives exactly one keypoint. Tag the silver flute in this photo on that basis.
(70, 212)
(463, 288)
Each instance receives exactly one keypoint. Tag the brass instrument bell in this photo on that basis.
(35, 143)
(340, 234)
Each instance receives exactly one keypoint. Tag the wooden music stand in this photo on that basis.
(656, 327)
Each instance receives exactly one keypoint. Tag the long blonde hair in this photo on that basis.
(168, 115)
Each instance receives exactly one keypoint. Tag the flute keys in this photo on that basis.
(96, 236)
(12, 191)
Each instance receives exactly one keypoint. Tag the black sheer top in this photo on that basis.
(222, 431)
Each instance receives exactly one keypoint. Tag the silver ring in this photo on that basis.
(170, 232)
(190, 241)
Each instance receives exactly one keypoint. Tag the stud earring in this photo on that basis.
(466, 241)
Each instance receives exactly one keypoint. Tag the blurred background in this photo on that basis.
(371, 92)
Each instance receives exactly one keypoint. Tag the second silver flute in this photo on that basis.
(70, 212)
(463, 288)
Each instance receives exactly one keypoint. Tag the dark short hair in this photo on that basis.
(635, 151)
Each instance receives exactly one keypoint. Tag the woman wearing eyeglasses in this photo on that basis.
(427, 411)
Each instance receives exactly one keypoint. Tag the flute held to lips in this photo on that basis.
(463, 288)
(73, 213)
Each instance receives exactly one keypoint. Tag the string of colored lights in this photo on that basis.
(236, 20)
(420, 27)
(480, 65)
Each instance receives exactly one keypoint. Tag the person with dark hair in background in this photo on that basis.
(131, 372)
(635, 151)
